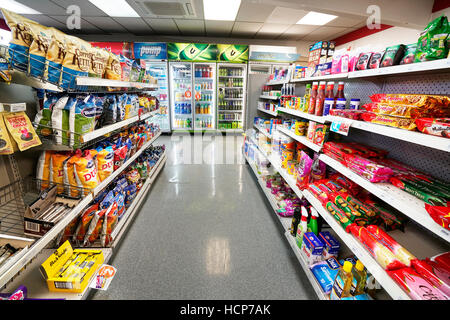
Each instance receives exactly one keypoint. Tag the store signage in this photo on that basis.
(232, 53)
(200, 52)
(341, 126)
(123, 48)
(273, 56)
(150, 50)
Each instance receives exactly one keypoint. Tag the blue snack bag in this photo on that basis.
(130, 194)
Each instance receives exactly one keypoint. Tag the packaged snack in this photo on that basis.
(55, 56)
(119, 156)
(409, 55)
(6, 143)
(133, 177)
(312, 248)
(407, 110)
(5, 70)
(57, 118)
(334, 186)
(311, 131)
(352, 214)
(68, 231)
(415, 286)
(130, 193)
(427, 195)
(44, 168)
(339, 215)
(325, 272)
(113, 69)
(86, 171)
(95, 226)
(400, 252)
(110, 111)
(21, 39)
(81, 120)
(432, 43)
(402, 123)
(363, 61)
(109, 224)
(318, 193)
(99, 61)
(381, 253)
(331, 245)
(392, 56)
(304, 171)
(84, 222)
(390, 221)
(105, 162)
(107, 200)
(21, 129)
(418, 100)
(443, 260)
(125, 66)
(120, 200)
(77, 61)
(43, 118)
(366, 211)
(428, 273)
(440, 215)
(437, 127)
(42, 37)
(349, 114)
(320, 134)
(440, 270)
(375, 60)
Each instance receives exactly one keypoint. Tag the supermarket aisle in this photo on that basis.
(206, 232)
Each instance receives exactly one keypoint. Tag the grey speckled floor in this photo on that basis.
(206, 232)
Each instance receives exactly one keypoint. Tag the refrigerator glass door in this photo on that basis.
(231, 96)
(204, 96)
(159, 71)
(260, 68)
(181, 95)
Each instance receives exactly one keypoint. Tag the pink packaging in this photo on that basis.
(340, 61)
(433, 275)
(304, 171)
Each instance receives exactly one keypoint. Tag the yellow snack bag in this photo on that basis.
(100, 59)
(19, 126)
(113, 70)
(55, 56)
(44, 168)
(77, 61)
(86, 171)
(69, 175)
(6, 146)
(105, 162)
(42, 37)
(57, 170)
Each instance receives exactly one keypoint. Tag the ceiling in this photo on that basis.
(255, 20)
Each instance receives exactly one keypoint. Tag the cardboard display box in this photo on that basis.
(17, 242)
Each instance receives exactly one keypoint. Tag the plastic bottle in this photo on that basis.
(318, 109)
(295, 221)
(330, 90)
(340, 91)
(312, 98)
(359, 279)
(343, 282)
(302, 227)
(312, 225)
(306, 97)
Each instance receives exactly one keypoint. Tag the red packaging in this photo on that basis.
(109, 223)
(363, 60)
(381, 253)
(85, 220)
(334, 186)
(440, 215)
(427, 272)
(119, 156)
(437, 127)
(416, 286)
(318, 193)
(375, 60)
(324, 188)
(443, 259)
(439, 270)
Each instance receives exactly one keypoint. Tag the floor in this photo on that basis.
(206, 231)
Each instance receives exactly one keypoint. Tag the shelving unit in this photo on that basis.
(303, 115)
(270, 97)
(272, 113)
(338, 76)
(263, 131)
(301, 139)
(99, 82)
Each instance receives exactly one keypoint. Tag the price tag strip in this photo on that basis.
(341, 126)
(103, 277)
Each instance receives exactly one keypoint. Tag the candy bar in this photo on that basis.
(437, 127)
(411, 188)
(402, 123)
(339, 215)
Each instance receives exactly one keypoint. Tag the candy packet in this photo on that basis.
(7, 144)
(21, 129)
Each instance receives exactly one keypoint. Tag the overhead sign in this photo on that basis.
(232, 53)
(119, 48)
(192, 52)
(273, 56)
(150, 50)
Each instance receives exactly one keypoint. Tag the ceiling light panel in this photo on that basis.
(115, 8)
(316, 18)
(17, 7)
(223, 10)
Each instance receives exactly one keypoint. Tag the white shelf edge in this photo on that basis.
(100, 82)
(301, 139)
(272, 113)
(269, 97)
(264, 132)
(409, 205)
(391, 287)
(303, 115)
(327, 77)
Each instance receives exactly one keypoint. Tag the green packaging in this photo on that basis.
(433, 41)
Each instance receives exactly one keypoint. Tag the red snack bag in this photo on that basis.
(440, 215)
(415, 286)
(437, 127)
(119, 156)
(95, 226)
(69, 231)
(109, 222)
(335, 186)
(443, 259)
(439, 270)
(363, 60)
(85, 220)
(324, 188)
(381, 253)
(400, 252)
(427, 272)
(318, 193)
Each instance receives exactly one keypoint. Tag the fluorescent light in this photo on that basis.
(225, 10)
(316, 18)
(17, 7)
(115, 8)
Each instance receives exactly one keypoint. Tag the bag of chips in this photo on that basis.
(57, 118)
(432, 43)
(86, 172)
(81, 120)
(84, 222)
(77, 62)
(99, 61)
(42, 37)
(43, 118)
(21, 129)
(109, 223)
(5, 70)
(105, 162)
(95, 226)
(57, 169)
(130, 193)
(44, 168)
(113, 69)
(55, 56)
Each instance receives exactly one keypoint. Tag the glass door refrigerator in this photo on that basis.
(159, 71)
(231, 96)
(181, 95)
(204, 96)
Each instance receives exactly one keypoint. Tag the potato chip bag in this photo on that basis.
(86, 172)
(98, 64)
(105, 162)
(96, 224)
(57, 118)
(21, 39)
(69, 175)
(81, 120)
(42, 37)
(76, 63)
(20, 128)
(43, 118)
(55, 56)
(113, 70)
(6, 145)
(44, 168)
(68, 232)
(109, 224)
(84, 222)
(5, 70)
(57, 169)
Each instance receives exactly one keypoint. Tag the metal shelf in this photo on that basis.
(275, 83)
(327, 77)
(272, 113)
(269, 97)
(303, 115)
(99, 82)
(301, 139)
(406, 203)
(263, 131)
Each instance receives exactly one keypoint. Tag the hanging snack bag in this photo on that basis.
(43, 118)
(21, 129)
(119, 156)
(113, 69)
(410, 52)
(105, 162)
(86, 172)
(57, 118)
(110, 110)
(81, 120)
(6, 143)
(55, 56)
(95, 226)
(21, 39)
(130, 193)
(57, 169)
(99, 62)
(77, 62)
(392, 56)
(70, 180)
(133, 177)
(121, 101)
(125, 67)
(44, 168)
(432, 43)
(42, 37)
(120, 201)
(107, 200)
(84, 222)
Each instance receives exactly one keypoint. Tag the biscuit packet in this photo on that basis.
(99, 62)
(55, 56)
(113, 69)
(6, 144)
(77, 62)
(21, 39)
(21, 129)
(42, 38)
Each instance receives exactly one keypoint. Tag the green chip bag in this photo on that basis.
(433, 41)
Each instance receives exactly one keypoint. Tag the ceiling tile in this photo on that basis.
(285, 15)
(190, 26)
(87, 8)
(297, 31)
(44, 6)
(134, 25)
(254, 12)
(46, 21)
(346, 22)
(324, 33)
(106, 23)
(273, 29)
(216, 27)
(248, 29)
(86, 27)
(163, 26)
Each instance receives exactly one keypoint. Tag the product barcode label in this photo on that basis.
(63, 285)
(31, 226)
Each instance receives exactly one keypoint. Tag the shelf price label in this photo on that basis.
(341, 126)
(103, 278)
